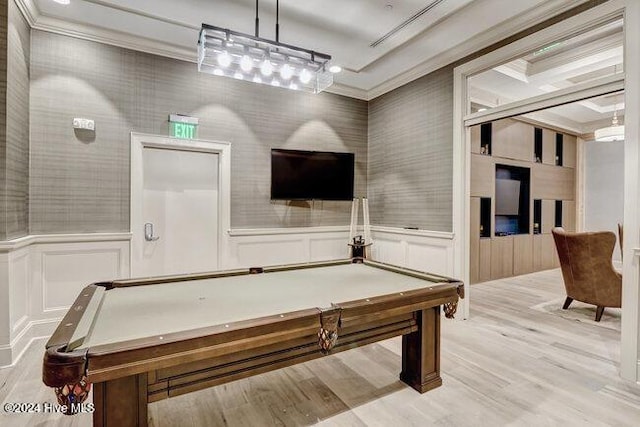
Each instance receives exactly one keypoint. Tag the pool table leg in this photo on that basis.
(421, 352)
(121, 402)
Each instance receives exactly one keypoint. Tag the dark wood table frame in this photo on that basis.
(126, 376)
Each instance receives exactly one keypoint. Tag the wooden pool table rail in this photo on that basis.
(149, 369)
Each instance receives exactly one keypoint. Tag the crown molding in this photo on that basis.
(350, 91)
(113, 38)
(29, 10)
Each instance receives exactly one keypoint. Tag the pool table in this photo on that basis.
(137, 341)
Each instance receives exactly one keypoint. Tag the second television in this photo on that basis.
(309, 175)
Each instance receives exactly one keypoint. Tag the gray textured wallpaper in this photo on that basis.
(80, 182)
(17, 172)
(14, 122)
(410, 180)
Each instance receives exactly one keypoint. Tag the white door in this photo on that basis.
(179, 226)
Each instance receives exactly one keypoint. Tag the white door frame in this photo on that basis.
(139, 141)
(462, 119)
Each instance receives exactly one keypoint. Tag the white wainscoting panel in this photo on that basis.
(40, 277)
(326, 248)
(388, 250)
(432, 252)
(65, 271)
(19, 290)
(269, 251)
(5, 308)
(275, 246)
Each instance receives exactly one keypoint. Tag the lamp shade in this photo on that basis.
(610, 134)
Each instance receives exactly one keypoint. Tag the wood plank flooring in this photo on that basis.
(509, 365)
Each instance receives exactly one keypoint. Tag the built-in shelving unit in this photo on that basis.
(485, 138)
(485, 217)
(558, 214)
(537, 216)
(522, 185)
(537, 145)
(559, 149)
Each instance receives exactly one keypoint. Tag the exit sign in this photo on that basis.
(183, 127)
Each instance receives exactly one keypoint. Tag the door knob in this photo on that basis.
(148, 233)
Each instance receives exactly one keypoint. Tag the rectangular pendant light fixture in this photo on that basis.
(223, 52)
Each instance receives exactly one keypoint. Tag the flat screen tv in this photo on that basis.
(309, 175)
(507, 196)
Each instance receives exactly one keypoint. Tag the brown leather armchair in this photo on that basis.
(587, 269)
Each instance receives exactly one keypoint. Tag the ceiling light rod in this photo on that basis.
(257, 21)
(312, 53)
(277, 21)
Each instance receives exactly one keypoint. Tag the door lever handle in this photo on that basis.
(148, 233)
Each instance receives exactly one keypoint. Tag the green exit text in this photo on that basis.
(183, 130)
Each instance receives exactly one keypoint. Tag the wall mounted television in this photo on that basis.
(311, 175)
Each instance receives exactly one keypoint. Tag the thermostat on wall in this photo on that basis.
(86, 124)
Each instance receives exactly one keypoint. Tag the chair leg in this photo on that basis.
(567, 303)
(599, 312)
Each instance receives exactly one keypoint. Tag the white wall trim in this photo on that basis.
(21, 242)
(413, 232)
(571, 94)
(630, 328)
(29, 10)
(237, 232)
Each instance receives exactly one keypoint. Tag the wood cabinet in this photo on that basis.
(570, 151)
(569, 215)
(553, 182)
(548, 147)
(545, 256)
(475, 139)
(501, 257)
(512, 143)
(548, 216)
(484, 267)
(482, 175)
(522, 254)
(512, 139)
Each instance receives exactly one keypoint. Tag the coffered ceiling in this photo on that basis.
(586, 56)
(381, 44)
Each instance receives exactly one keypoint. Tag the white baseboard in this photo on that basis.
(35, 330)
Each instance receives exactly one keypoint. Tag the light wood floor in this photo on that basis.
(507, 365)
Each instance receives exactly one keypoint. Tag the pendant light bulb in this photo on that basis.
(286, 72)
(305, 76)
(246, 63)
(224, 59)
(266, 68)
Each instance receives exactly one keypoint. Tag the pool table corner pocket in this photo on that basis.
(329, 323)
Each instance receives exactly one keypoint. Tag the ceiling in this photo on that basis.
(586, 56)
(422, 36)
